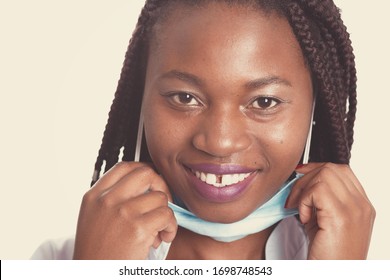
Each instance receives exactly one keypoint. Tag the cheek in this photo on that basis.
(166, 136)
(284, 142)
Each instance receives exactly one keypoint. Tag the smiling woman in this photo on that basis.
(225, 92)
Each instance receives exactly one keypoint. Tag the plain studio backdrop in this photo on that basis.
(59, 66)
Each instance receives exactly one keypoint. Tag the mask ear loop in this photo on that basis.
(137, 154)
(308, 140)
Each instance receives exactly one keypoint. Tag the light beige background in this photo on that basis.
(59, 66)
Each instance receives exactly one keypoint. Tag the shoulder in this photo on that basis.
(288, 241)
(55, 249)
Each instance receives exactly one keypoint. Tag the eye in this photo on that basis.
(265, 102)
(184, 99)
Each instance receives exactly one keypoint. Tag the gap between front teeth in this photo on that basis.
(221, 180)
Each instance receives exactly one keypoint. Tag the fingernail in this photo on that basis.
(299, 166)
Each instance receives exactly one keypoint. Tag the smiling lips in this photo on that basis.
(220, 183)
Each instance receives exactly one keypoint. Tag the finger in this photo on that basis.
(307, 205)
(322, 188)
(157, 242)
(163, 223)
(323, 197)
(145, 203)
(293, 198)
(342, 168)
(159, 184)
(321, 172)
(139, 181)
(116, 173)
(311, 227)
(311, 166)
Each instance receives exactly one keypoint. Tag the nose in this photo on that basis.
(222, 133)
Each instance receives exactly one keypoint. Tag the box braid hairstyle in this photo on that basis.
(325, 44)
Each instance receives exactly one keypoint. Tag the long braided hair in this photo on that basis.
(325, 44)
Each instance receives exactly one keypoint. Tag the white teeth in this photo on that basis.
(211, 179)
(221, 180)
(227, 179)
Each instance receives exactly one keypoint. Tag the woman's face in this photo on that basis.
(227, 107)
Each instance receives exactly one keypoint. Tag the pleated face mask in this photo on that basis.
(265, 216)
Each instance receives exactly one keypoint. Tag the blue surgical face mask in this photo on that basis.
(265, 216)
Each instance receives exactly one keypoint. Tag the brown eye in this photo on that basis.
(265, 102)
(184, 98)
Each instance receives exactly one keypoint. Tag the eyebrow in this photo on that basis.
(271, 80)
(183, 76)
(251, 85)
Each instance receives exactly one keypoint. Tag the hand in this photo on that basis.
(335, 210)
(124, 214)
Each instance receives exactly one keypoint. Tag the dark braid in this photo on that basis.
(335, 75)
(328, 96)
(126, 107)
(343, 47)
(325, 43)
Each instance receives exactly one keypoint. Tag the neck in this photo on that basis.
(191, 246)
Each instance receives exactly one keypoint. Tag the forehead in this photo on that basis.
(222, 35)
(207, 15)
